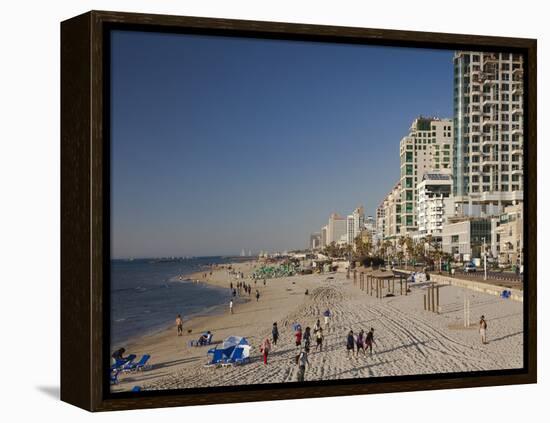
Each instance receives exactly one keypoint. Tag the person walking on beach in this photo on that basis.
(483, 329)
(326, 314)
(265, 348)
(179, 325)
(231, 306)
(301, 361)
(307, 337)
(257, 295)
(319, 338)
(234, 292)
(360, 341)
(264, 281)
(369, 340)
(317, 327)
(298, 336)
(275, 333)
(350, 342)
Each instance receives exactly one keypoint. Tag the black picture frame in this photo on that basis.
(85, 242)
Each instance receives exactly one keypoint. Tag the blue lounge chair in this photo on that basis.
(114, 377)
(140, 365)
(199, 342)
(123, 364)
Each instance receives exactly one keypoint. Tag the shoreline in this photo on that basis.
(195, 278)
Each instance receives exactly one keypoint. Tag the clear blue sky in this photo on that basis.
(220, 144)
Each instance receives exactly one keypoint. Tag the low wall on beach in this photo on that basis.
(486, 288)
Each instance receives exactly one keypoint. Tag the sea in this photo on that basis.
(148, 294)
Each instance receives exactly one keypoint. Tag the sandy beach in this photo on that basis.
(408, 339)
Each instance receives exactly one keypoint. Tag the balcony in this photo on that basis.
(517, 109)
(490, 58)
(488, 141)
(517, 129)
(517, 89)
(488, 101)
(475, 132)
(516, 151)
(517, 72)
(489, 120)
(489, 160)
(489, 80)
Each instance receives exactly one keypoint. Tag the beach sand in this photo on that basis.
(408, 339)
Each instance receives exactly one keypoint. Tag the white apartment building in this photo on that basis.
(434, 203)
(355, 224)
(488, 132)
(350, 231)
(324, 231)
(509, 235)
(315, 241)
(370, 227)
(467, 238)
(426, 148)
(336, 229)
(380, 223)
(392, 213)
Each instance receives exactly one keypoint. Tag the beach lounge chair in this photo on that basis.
(218, 357)
(199, 343)
(140, 365)
(114, 377)
(121, 364)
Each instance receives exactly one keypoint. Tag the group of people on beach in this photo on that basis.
(302, 339)
(360, 342)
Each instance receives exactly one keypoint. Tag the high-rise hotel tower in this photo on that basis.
(488, 132)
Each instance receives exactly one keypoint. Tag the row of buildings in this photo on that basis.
(461, 178)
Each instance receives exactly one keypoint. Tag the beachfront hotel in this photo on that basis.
(336, 229)
(488, 132)
(355, 223)
(391, 206)
(324, 231)
(434, 204)
(427, 147)
(380, 223)
(315, 241)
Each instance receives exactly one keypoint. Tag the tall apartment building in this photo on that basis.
(488, 131)
(392, 213)
(370, 227)
(336, 229)
(434, 204)
(315, 241)
(427, 147)
(355, 224)
(324, 231)
(380, 222)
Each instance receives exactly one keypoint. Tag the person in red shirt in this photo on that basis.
(298, 336)
(265, 348)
